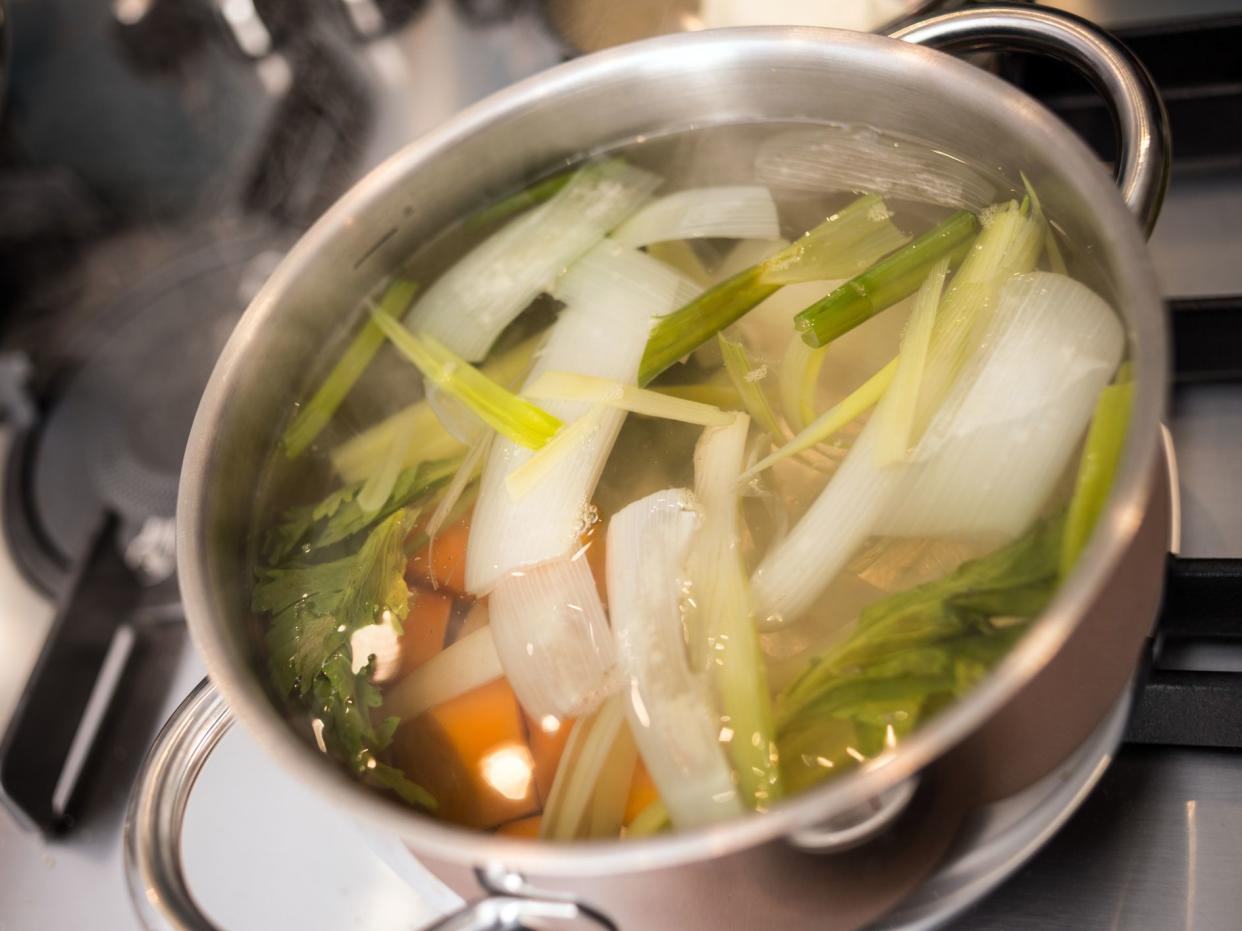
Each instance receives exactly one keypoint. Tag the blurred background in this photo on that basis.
(158, 157)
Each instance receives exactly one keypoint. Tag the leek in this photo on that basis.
(611, 294)
(506, 413)
(356, 458)
(528, 476)
(725, 626)
(1056, 262)
(584, 800)
(831, 421)
(738, 212)
(591, 389)
(531, 196)
(746, 380)
(668, 704)
(552, 637)
(886, 282)
(997, 441)
(844, 244)
(316, 413)
(713, 393)
(1100, 456)
(470, 304)
(896, 414)
(463, 665)
(680, 256)
(847, 157)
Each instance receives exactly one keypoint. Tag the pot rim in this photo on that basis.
(1120, 240)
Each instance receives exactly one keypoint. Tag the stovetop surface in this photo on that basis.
(1155, 846)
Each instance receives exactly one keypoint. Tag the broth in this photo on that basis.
(433, 719)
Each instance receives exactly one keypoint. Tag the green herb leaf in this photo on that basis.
(315, 608)
(912, 649)
(339, 516)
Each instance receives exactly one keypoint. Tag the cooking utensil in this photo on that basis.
(775, 74)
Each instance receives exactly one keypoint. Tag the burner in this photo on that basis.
(92, 490)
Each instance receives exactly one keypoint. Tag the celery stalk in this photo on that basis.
(1100, 455)
(505, 412)
(316, 412)
(886, 282)
(844, 244)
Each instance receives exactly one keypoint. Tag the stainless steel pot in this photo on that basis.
(665, 84)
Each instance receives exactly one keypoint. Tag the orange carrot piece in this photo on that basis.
(522, 827)
(425, 628)
(593, 540)
(546, 746)
(471, 754)
(642, 792)
(441, 564)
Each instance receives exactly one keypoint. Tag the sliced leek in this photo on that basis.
(508, 414)
(590, 389)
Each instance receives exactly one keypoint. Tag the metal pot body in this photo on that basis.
(665, 85)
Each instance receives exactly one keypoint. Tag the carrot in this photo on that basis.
(546, 746)
(441, 564)
(471, 754)
(642, 792)
(425, 628)
(522, 827)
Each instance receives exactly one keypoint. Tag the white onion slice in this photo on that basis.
(552, 638)
(471, 303)
(669, 706)
(728, 212)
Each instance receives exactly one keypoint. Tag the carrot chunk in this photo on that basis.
(441, 564)
(547, 744)
(642, 792)
(425, 628)
(471, 754)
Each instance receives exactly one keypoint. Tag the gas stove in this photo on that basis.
(157, 157)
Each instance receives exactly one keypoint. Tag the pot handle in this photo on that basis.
(1142, 124)
(157, 803)
(152, 839)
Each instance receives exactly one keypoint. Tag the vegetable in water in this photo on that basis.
(720, 618)
(470, 304)
(736, 212)
(1100, 456)
(669, 704)
(887, 282)
(509, 415)
(315, 609)
(845, 243)
(316, 412)
(1000, 436)
(912, 652)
